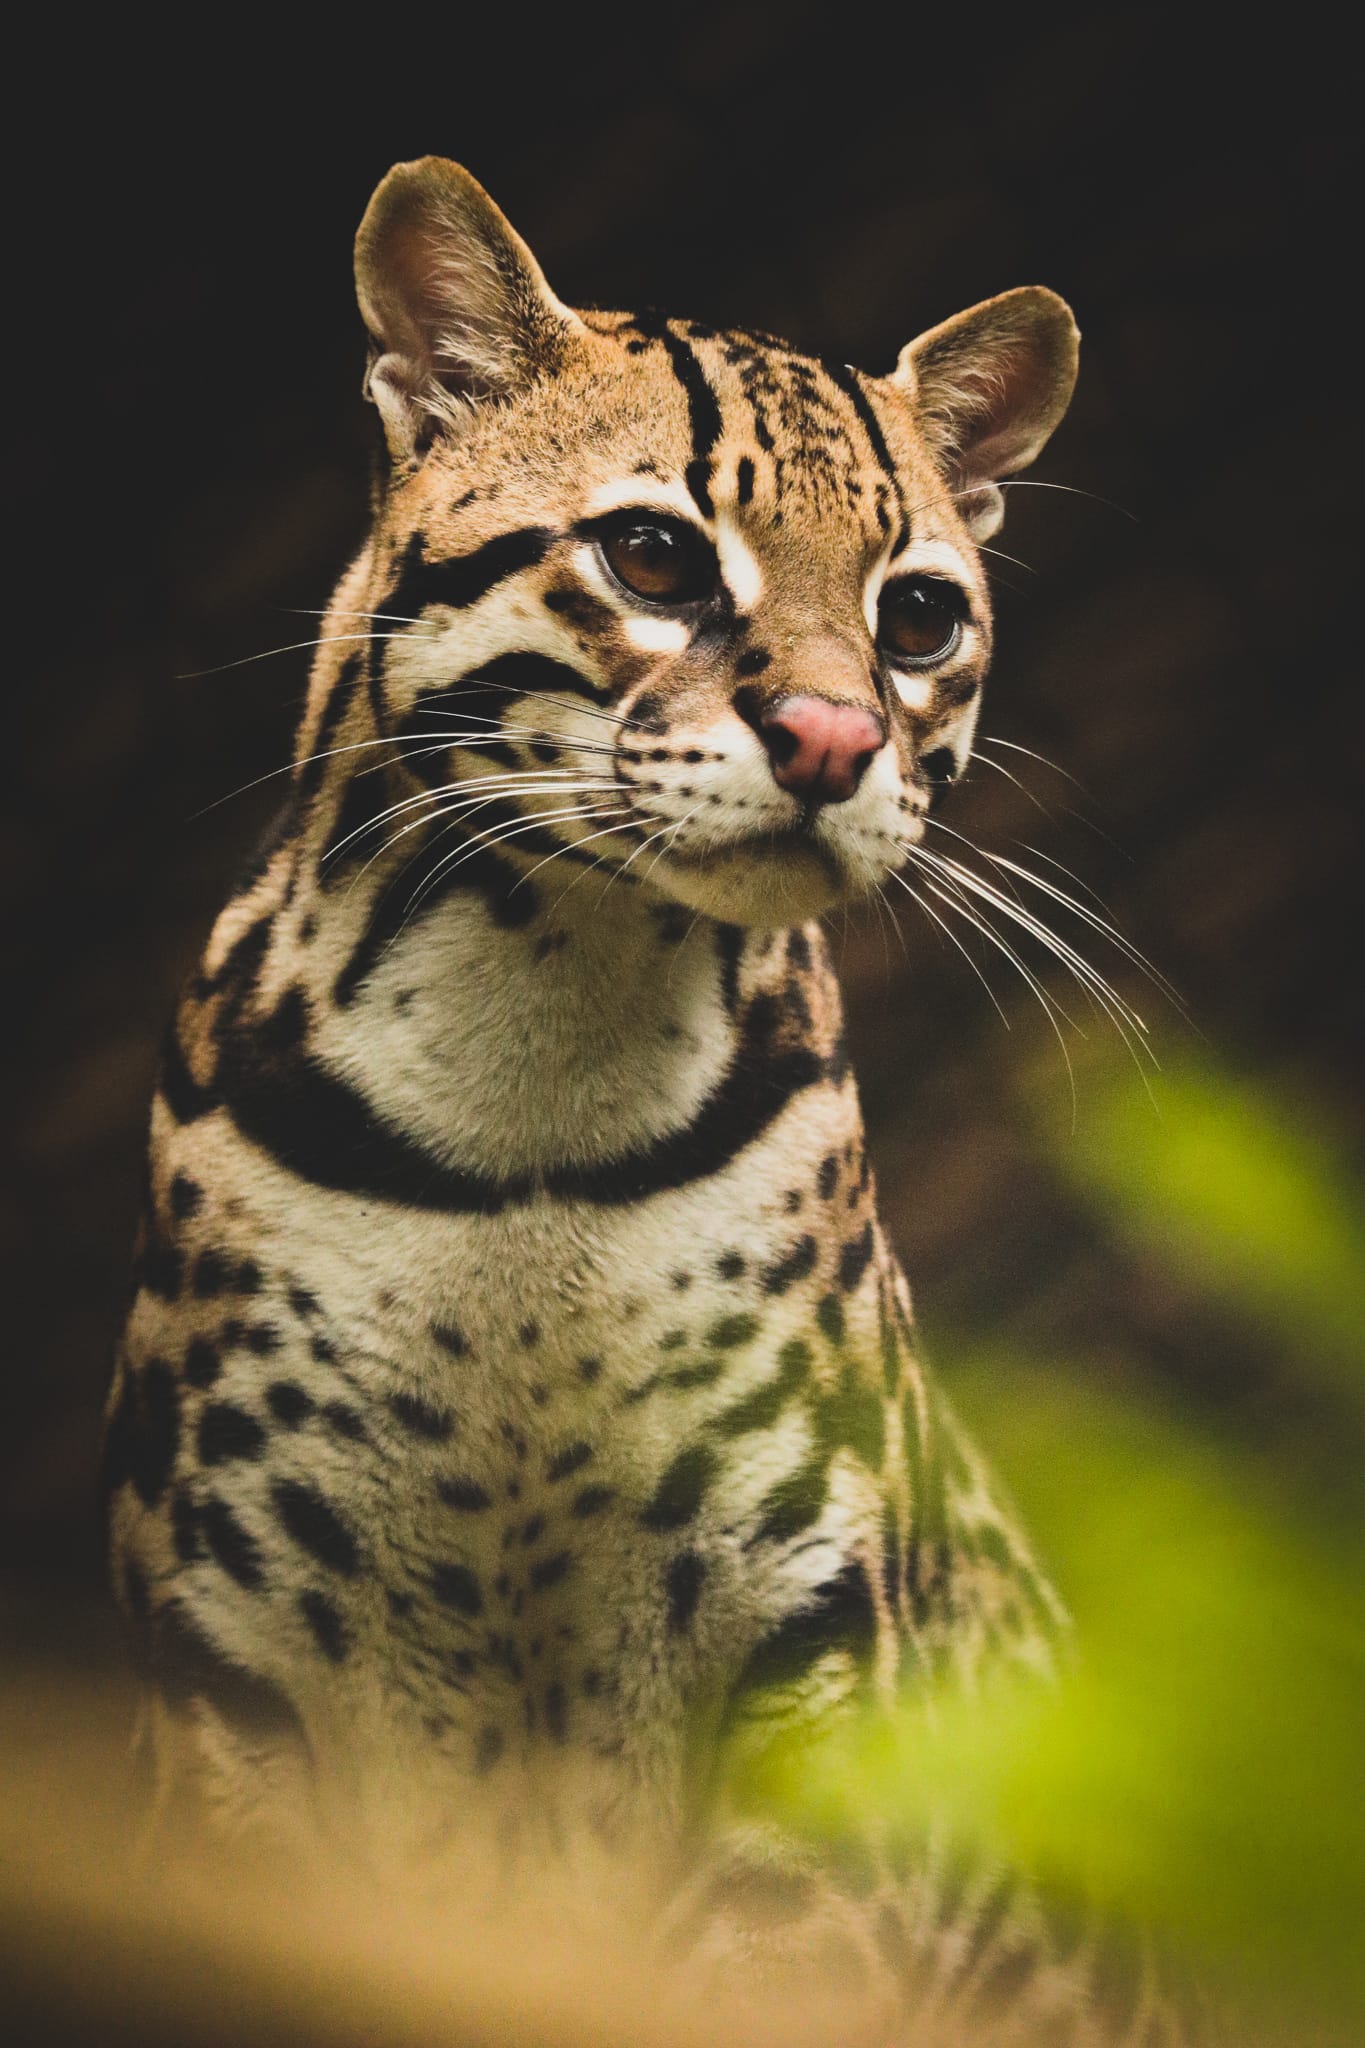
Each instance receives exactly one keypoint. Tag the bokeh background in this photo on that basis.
(1149, 1303)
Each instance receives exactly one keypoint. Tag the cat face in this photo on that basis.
(726, 591)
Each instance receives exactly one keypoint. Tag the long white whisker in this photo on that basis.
(1023, 788)
(1087, 916)
(1059, 896)
(480, 686)
(1125, 1019)
(572, 846)
(1050, 1007)
(993, 739)
(194, 675)
(485, 843)
(516, 782)
(614, 870)
(948, 933)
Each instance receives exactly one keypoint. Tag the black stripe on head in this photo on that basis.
(461, 580)
(703, 407)
(847, 381)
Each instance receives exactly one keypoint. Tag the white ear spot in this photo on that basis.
(738, 565)
(656, 636)
(915, 692)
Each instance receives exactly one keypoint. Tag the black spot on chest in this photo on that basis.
(681, 1490)
(683, 1585)
(419, 1418)
(143, 1436)
(315, 1526)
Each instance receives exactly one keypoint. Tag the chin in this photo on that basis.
(759, 884)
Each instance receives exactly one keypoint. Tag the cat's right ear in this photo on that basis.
(455, 303)
(988, 387)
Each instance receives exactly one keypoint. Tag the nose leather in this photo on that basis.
(819, 750)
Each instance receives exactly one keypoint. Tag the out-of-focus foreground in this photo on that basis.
(1149, 1311)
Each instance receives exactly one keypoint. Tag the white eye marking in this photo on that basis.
(935, 558)
(643, 494)
(872, 589)
(738, 565)
(915, 692)
(656, 636)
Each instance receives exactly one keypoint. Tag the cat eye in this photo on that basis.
(664, 561)
(920, 620)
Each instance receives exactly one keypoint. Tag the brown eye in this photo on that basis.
(661, 560)
(920, 620)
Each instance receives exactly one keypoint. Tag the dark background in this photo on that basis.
(192, 462)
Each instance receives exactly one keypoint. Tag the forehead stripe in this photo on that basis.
(847, 381)
(703, 407)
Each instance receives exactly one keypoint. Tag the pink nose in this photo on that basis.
(818, 750)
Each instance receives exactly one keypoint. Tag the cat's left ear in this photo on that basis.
(456, 305)
(988, 387)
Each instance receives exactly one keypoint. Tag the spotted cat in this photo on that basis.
(520, 1398)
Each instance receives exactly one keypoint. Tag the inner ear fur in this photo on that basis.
(988, 387)
(456, 305)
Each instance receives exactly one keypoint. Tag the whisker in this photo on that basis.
(615, 870)
(479, 686)
(452, 812)
(485, 843)
(1001, 769)
(1125, 1019)
(1096, 922)
(574, 846)
(993, 739)
(194, 675)
(518, 782)
(1031, 483)
(405, 750)
(1051, 1008)
(951, 935)
(500, 729)
(1018, 562)
(1011, 907)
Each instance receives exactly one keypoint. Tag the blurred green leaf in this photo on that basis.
(1237, 1188)
(1199, 1770)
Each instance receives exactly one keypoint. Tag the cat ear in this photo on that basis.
(454, 301)
(988, 387)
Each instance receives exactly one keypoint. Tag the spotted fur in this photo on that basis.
(520, 1397)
